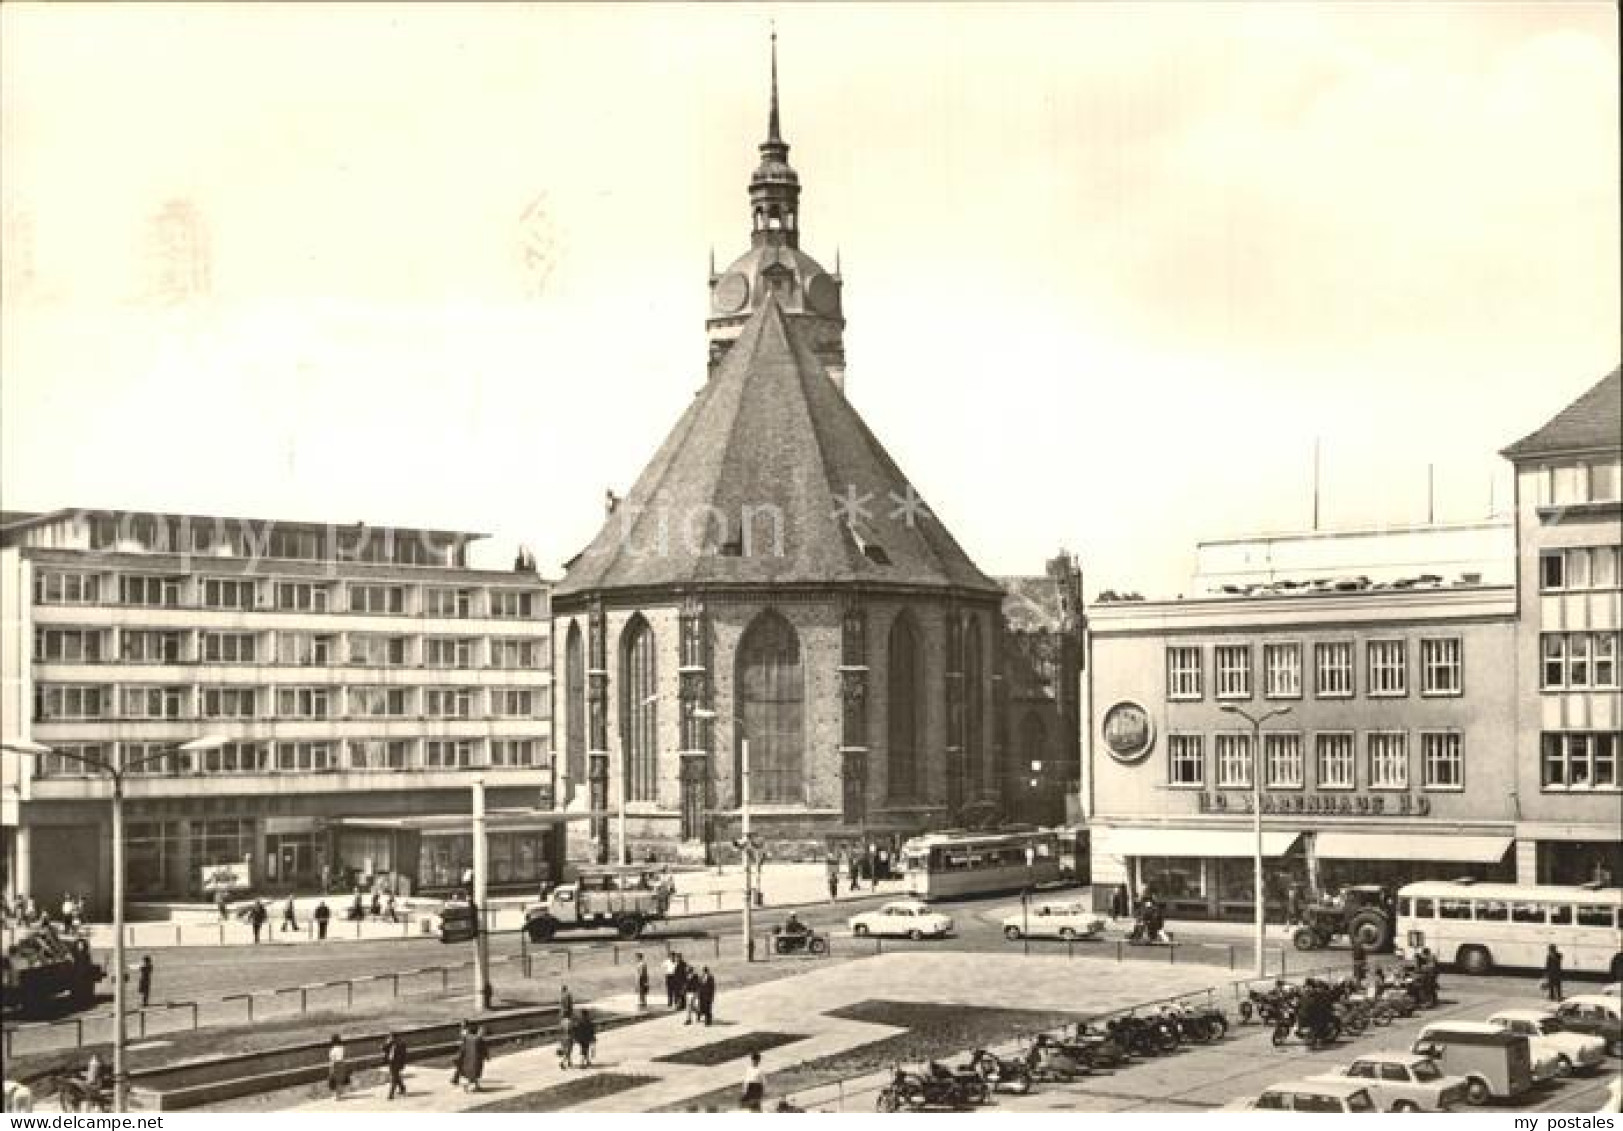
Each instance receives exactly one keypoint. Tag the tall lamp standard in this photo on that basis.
(1256, 722)
(116, 771)
(745, 848)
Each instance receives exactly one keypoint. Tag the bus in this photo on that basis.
(1478, 926)
(947, 865)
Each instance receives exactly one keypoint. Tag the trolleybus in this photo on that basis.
(1478, 926)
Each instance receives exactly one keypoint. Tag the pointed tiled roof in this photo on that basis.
(770, 436)
(1593, 422)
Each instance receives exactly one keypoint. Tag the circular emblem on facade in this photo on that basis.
(1128, 732)
(732, 291)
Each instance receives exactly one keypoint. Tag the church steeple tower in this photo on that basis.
(774, 186)
(774, 266)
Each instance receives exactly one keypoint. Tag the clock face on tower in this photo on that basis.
(732, 290)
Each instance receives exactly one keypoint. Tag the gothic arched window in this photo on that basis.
(771, 693)
(575, 705)
(905, 709)
(639, 710)
(974, 710)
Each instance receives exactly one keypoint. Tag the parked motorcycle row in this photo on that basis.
(1319, 1013)
(1068, 1055)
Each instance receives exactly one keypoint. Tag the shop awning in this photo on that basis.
(1193, 842)
(1440, 848)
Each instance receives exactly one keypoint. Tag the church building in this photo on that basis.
(773, 588)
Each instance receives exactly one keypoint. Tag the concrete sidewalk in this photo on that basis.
(798, 1007)
(708, 892)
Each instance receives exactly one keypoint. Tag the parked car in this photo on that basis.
(1598, 1015)
(1572, 1052)
(1404, 1081)
(1317, 1096)
(906, 919)
(1053, 921)
(1496, 1064)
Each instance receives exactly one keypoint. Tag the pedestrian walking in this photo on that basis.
(707, 996)
(1118, 902)
(566, 1004)
(566, 1046)
(853, 872)
(1552, 973)
(690, 996)
(143, 980)
(357, 911)
(377, 904)
(462, 1032)
(754, 1084)
(256, 918)
(222, 904)
(290, 915)
(322, 916)
(389, 910)
(642, 983)
(670, 979)
(683, 971)
(394, 1060)
(1360, 962)
(337, 1067)
(585, 1030)
(471, 1058)
(833, 883)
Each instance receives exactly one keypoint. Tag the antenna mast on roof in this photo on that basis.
(1315, 483)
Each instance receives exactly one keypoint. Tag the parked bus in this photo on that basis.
(1478, 926)
(950, 864)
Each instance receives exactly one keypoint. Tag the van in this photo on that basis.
(1496, 1064)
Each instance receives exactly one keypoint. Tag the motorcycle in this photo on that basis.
(75, 1094)
(1142, 1037)
(798, 942)
(1197, 1024)
(1320, 1032)
(1001, 1072)
(1055, 1061)
(1271, 1006)
(1102, 1045)
(914, 1091)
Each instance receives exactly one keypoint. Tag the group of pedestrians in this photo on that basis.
(383, 908)
(689, 988)
(577, 1031)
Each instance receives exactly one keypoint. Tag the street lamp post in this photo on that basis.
(746, 849)
(116, 772)
(1256, 722)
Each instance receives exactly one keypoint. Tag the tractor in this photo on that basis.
(1363, 912)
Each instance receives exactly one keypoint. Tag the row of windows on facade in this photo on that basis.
(1578, 661)
(1571, 760)
(69, 587)
(78, 759)
(64, 701)
(1580, 568)
(177, 534)
(1573, 482)
(1386, 669)
(79, 645)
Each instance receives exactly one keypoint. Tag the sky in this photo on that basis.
(1112, 271)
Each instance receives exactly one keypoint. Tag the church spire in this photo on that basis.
(774, 187)
(772, 134)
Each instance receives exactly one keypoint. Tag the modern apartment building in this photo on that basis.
(360, 679)
(1569, 523)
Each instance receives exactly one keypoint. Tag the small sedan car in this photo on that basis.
(1550, 1039)
(908, 919)
(1597, 1015)
(1053, 921)
(1403, 1081)
(1319, 1097)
